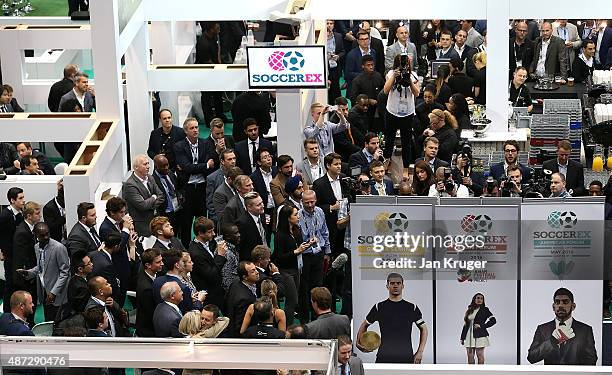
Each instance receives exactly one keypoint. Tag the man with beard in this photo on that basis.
(511, 150)
(277, 185)
(564, 340)
(395, 317)
(163, 230)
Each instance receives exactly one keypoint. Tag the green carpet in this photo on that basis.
(49, 8)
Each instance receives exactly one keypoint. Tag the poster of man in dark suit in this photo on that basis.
(564, 340)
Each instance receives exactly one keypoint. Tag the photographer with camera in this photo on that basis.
(511, 186)
(491, 188)
(463, 172)
(323, 130)
(445, 186)
(401, 86)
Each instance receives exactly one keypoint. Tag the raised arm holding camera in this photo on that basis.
(401, 86)
(445, 186)
(511, 186)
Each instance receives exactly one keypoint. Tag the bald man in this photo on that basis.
(550, 55)
(142, 195)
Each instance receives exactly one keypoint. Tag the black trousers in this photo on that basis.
(405, 125)
(76, 5)
(195, 206)
(50, 311)
(8, 285)
(311, 277)
(334, 87)
(291, 280)
(212, 105)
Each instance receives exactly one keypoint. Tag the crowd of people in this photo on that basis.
(222, 237)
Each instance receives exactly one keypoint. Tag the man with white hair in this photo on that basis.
(142, 195)
(167, 315)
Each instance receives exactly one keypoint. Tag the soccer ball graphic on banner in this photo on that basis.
(276, 60)
(568, 219)
(467, 223)
(293, 60)
(554, 219)
(398, 222)
(482, 223)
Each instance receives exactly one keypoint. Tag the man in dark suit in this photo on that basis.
(54, 214)
(606, 43)
(379, 185)
(226, 161)
(225, 192)
(235, 207)
(465, 52)
(162, 139)
(51, 272)
(571, 169)
(246, 150)
(193, 166)
(173, 197)
(25, 150)
(262, 177)
(10, 218)
(353, 58)
(329, 195)
(241, 294)
(96, 321)
(103, 266)
(564, 340)
(555, 62)
(61, 87)
(375, 44)
(252, 225)
(78, 292)
(218, 142)
(81, 89)
(346, 357)
(163, 231)
(430, 153)
(371, 151)
(167, 316)
(208, 258)
(174, 265)
(15, 322)
(142, 195)
(145, 304)
(24, 255)
(83, 235)
(520, 48)
(100, 292)
(260, 256)
(511, 149)
(250, 104)
(119, 223)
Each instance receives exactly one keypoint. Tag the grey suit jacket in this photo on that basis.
(213, 181)
(572, 36)
(328, 326)
(221, 198)
(356, 366)
(140, 202)
(166, 321)
(56, 272)
(395, 49)
(304, 169)
(89, 101)
(474, 39)
(233, 210)
(556, 57)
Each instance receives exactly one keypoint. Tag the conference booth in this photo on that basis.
(143, 46)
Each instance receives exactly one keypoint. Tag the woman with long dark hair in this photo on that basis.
(474, 335)
(431, 35)
(457, 105)
(443, 90)
(423, 178)
(288, 247)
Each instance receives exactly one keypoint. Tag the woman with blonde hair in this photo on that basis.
(190, 324)
(443, 125)
(480, 78)
(269, 290)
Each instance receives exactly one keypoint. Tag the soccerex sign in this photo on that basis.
(286, 67)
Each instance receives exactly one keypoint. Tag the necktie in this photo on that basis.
(262, 232)
(254, 153)
(381, 189)
(111, 322)
(2, 108)
(343, 369)
(96, 239)
(169, 192)
(170, 245)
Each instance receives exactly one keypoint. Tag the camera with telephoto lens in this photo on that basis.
(538, 185)
(405, 71)
(490, 185)
(506, 186)
(353, 186)
(449, 185)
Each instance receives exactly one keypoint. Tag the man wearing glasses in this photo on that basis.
(511, 149)
(353, 58)
(521, 48)
(564, 340)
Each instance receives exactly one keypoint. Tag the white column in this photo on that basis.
(290, 122)
(162, 40)
(138, 98)
(498, 14)
(13, 63)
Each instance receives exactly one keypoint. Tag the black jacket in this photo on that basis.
(24, 256)
(103, 266)
(239, 297)
(283, 255)
(159, 146)
(206, 274)
(485, 319)
(212, 148)
(80, 240)
(184, 160)
(574, 179)
(54, 220)
(8, 223)
(259, 184)
(58, 89)
(242, 153)
(145, 305)
(250, 104)
(579, 350)
(8, 154)
(249, 235)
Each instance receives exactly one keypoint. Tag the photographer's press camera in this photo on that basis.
(403, 81)
(355, 184)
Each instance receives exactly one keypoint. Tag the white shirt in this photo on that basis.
(568, 322)
(164, 242)
(250, 146)
(267, 177)
(14, 210)
(80, 98)
(401, 104)
(144, 181)
(589, 62)
(31, 226)
(175, 307)
(459, 50)
(315, 170)
(381, 188)
(205, 245)
(335, 184)
(541, 67)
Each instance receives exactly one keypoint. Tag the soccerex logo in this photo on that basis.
(566, 219)
(290, 60)
(476, 223)
(385, 222)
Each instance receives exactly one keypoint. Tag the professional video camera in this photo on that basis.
(466, 154)
(538, 185)
(449, 184)
(353, 186)
(507, 186)
(404, 78)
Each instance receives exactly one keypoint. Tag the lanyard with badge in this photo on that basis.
(194, 153)
(518, 95)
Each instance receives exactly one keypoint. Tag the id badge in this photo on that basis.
(402, 109)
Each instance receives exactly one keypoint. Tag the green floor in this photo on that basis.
(49, 8)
